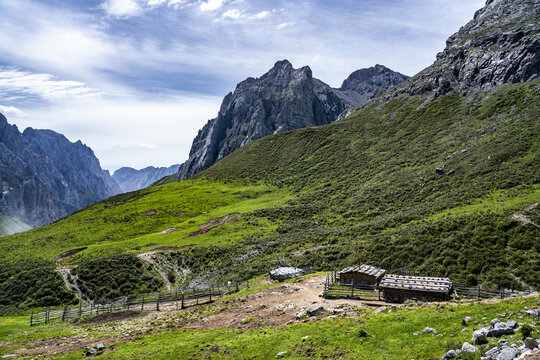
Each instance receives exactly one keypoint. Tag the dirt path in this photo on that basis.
(522, 217)
(73, 286)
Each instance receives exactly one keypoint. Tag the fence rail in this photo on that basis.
(478, 292)
(177, 298)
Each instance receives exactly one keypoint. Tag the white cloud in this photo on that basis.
(156, 2)
(283, 25)
(122, 8)
(26, 84)
(211, 5)
(232, 14)
(261, 15)
(148, 146)
(10, 110)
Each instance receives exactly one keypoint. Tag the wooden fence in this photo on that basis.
(470, 292)
(164, 300)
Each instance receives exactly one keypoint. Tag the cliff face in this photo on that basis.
(282, 99)
(500, 45)
(45, 177)
(130, 179)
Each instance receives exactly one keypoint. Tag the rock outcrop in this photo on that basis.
(282, 99)
(500, 45)
(44, 176)
(130, 179)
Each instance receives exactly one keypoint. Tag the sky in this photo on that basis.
(136, 79)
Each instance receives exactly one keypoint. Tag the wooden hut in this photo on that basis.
(361, 274)
(398, 288)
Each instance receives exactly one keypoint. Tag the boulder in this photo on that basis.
(511, 324)
(315, 310)
(452, 354)
(464, 330)
(480, 336)
(301, 313)
(91, 351)
(468, 348)
(531, 343)
(495, 321)
(507, 353)
(493, 353)
(533, 313)
(439, 170)
(429, 330)
(500, 329)
(100, 347)
(467, 319)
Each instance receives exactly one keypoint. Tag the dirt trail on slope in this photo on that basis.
(213, 223)
(522, 217)
(71, 285)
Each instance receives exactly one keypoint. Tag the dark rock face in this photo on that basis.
(44, 176)
(130, 179)
(282, 99)
(364, 84)
(500, 45)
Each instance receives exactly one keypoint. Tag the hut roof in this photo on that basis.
(419, 283)
(365, 269)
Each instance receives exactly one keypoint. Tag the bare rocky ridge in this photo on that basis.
(130, 179)
(500, 45)
(44, 176)
(282, 99)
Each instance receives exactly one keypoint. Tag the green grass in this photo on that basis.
(390, 335)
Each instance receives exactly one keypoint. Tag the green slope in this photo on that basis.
(364, 189)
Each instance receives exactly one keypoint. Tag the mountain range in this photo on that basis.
(45, 177)
(130, 179)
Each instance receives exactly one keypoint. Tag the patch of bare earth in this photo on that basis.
(69, 254)
(149, 213)
(520, 215)
(213, 223)
(144, 246)
(169, 231)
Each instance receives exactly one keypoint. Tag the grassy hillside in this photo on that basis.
(364, 189)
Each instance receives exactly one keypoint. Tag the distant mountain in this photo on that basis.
(44, 176)
(130, 179)
(282, 99)
(9, 225)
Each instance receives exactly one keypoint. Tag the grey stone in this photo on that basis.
(500, 329)
(533, 313)
(531, 343)
(493, 353)
(91, 351)
(495, 321)
(451, 354)
(429, 330)
(379, 309)
(439, 170)
(100, 347)
(468, 348)
(464, 330)
(315, 310)
(511, 324)
(467, 319)
(301, 313)
(480, 336)
(507, 353)
(281, 354)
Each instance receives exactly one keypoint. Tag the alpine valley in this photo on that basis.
(434, 175)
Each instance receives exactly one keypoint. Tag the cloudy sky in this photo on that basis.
(136, 79)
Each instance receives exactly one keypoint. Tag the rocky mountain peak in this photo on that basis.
(282, 99)
(500, 45)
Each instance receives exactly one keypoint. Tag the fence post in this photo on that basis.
(31, 318)
(64, 313)
(478, 293)
(210, 293)
(237, 286)
(127, 302)
(182, 306)
(157, 301)
(352, 289)
(91, 308)
(80, 308)
(142, 304)
(47, 315)
(247, 284)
